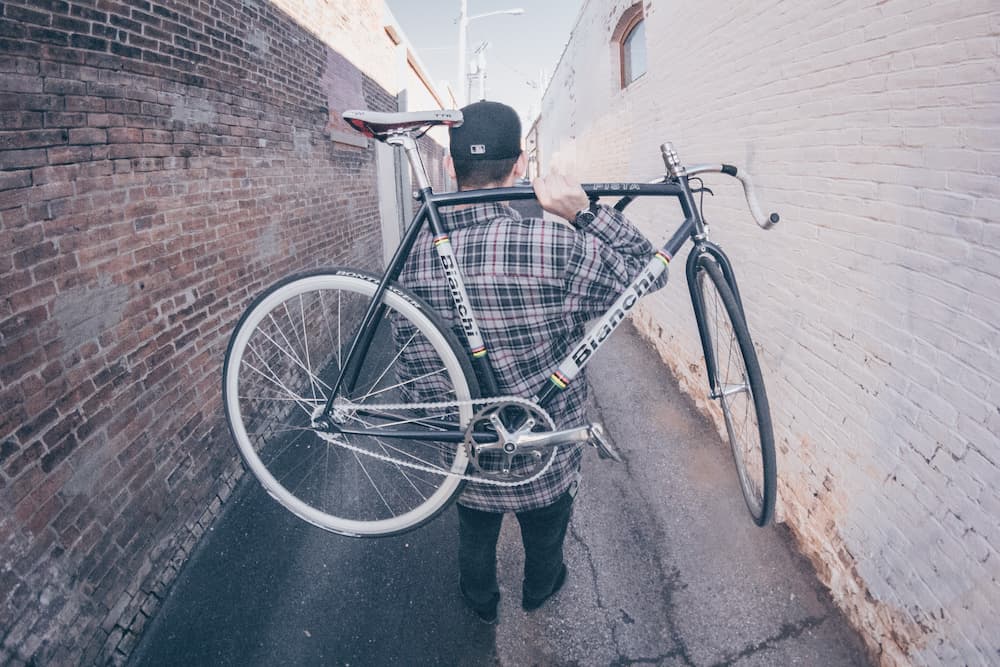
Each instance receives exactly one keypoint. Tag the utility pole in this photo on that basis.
(481, 68)
(463, 28)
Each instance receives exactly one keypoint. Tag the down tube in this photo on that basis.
(583, 351)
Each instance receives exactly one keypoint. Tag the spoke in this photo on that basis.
(326, 466)
(304, 460)
(385, 450)
(305, 345)
(718, 331)
(275, 380)
(374, 486)
(298, 362)
(732, 343)
(312, 470)
(406, 383)
(400, 421)
(749, 420)
(284, 449)
(282, 399)
(389, 365)
(340, 339)
(281, 332)
(288, 429)
(405, 453)
(326, 320)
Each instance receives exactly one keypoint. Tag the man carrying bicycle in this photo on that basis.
(534, 284)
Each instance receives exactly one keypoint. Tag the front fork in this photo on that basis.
(701, 249)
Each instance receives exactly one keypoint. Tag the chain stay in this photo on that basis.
(333, 439)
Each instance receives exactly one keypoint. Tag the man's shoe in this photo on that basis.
(487, 613)
(531, 604)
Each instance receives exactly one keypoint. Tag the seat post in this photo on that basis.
(409, 144)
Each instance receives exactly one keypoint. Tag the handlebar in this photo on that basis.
(765, 222)
(677, 170)
(660, 187)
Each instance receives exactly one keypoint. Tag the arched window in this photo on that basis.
(634, 54)
(630, 36)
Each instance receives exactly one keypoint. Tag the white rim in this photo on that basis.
(273, 486)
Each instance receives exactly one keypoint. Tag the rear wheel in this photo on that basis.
(283, 360)
(737, 384)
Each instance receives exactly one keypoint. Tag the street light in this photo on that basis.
(463, 28)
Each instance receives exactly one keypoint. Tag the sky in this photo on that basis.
(520, 48)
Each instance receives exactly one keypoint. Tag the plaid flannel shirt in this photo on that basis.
(533, 285)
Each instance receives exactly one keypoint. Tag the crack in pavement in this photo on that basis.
(622, 661)
(671, 582)
(597, 589)
(788, 631)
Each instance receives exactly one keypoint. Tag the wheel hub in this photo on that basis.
(339, 414)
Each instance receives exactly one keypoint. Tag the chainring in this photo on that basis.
(502, 458)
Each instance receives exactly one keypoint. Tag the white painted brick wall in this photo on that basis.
(874, 128)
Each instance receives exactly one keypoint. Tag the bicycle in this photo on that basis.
(340, 425)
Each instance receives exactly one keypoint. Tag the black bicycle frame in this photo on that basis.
(428, 214)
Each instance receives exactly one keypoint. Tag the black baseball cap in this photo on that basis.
(489, 131)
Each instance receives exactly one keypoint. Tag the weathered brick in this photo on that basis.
(34, 429)
(20, 120)
(21, 159)
(88, 135)
(28, 456)
(7, 449)
(20, 140)
(121, 135)
(88, 42)
(116, 145)
(35, 254)
(69, 154)
(15, 179)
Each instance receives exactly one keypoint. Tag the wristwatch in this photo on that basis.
(585, 216)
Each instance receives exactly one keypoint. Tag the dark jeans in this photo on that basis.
(543, 531)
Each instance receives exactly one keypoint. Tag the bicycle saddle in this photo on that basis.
(378, 124)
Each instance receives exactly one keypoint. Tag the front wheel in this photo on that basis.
(736, 382)
(363, 479)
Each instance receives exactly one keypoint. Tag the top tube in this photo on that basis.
(518, 192)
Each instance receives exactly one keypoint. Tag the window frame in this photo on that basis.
(630, 19)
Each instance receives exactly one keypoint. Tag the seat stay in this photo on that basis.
(380, 125)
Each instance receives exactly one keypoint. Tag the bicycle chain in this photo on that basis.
(331, 437)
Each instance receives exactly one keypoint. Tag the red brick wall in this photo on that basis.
(160, 162)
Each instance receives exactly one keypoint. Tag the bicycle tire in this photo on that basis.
(282, 360)
(736, 382)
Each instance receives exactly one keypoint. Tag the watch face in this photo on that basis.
(585, 217)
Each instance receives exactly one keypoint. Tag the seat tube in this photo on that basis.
(462, 303)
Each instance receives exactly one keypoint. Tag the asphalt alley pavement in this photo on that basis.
(665, 568)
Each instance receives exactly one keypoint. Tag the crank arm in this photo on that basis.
(592, 433)
(550, 439)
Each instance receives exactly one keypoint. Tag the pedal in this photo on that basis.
(605, 448)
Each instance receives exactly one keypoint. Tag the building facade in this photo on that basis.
(874, 129)
(161, 162)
